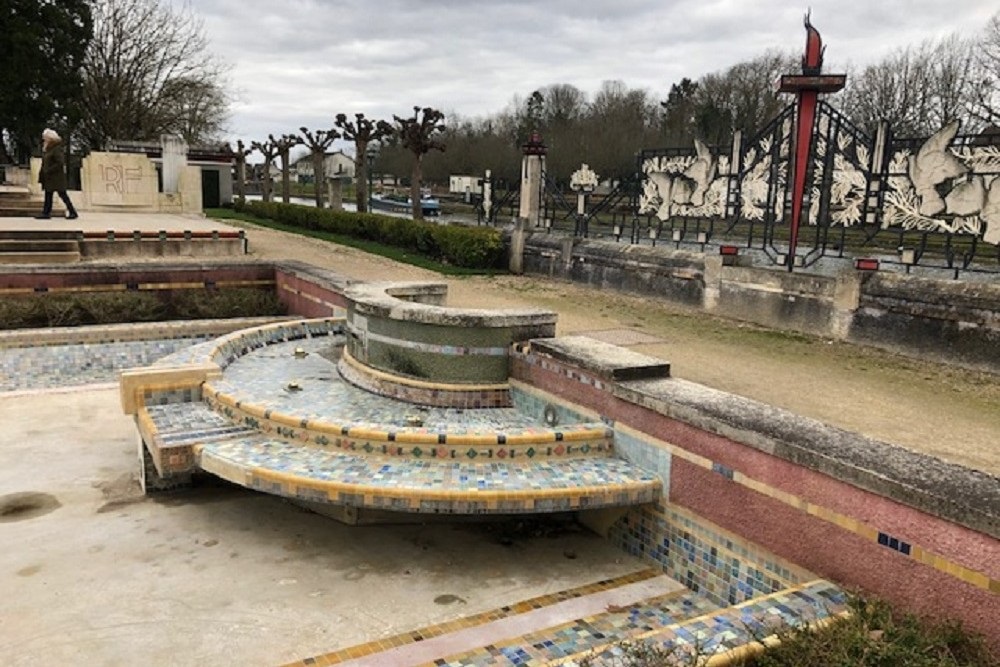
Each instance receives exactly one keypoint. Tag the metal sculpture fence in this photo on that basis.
(930, 202)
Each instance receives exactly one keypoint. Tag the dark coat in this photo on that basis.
(53, 173)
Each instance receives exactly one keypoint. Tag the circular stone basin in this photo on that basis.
(280, 418)
(294, 388)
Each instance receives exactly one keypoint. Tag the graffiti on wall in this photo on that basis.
(120, 179)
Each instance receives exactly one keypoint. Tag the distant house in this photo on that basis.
(336, 163)
(463, 185)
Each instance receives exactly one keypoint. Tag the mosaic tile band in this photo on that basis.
(522, 354)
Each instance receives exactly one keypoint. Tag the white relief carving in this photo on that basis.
(971, 204)
(583, 178)
(689, 185)
(754, 187)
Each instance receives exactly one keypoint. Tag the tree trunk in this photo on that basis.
(319, 177)
(241, 178)
(361, 176)
(286, 185)
(265, 182)
(417, 205)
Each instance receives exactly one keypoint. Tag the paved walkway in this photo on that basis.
(100, 221)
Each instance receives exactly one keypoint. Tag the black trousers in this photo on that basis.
(47, 205)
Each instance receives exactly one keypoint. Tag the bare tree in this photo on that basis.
(241, 154)
(986, 89)
(918, 90)
(362, 131)
(270, 151)
(417, 134)
(148, 71)
(318, 142)
(283, 145)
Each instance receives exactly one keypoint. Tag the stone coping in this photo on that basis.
(323, 278)
(604, 359)
(115, 333)
(963, 495)
(98, 267)
(401, 301)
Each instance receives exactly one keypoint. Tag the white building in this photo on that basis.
(461, 185)
(336, 163)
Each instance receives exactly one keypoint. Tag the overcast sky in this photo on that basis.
(300, 62)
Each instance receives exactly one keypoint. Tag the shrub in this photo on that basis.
(458, 245)
(69, 310)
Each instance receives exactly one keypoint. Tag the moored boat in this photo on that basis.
(401, 204)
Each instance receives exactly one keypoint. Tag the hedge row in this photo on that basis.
(68, 310)
(458, 245)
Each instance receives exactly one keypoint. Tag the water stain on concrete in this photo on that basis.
(120, 492)
(26, 505)
(29, 571)
(448, 598)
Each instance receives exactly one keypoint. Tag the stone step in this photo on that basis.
(38, 245)
(39, 234)
(28, 210)
(597, 625)
(39, 257)
(325, 474)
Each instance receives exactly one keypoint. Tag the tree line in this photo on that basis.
(101, 70)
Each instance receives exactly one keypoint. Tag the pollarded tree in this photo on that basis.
(284, 145)
(240, 154)
(43, 45)
(270, 151)
(318, 142)
(418, 135)
(148, 72)
(362, 131)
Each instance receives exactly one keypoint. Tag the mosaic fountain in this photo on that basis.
(380, 403)
(399, 404)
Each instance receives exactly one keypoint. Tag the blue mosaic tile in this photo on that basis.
(70, 365)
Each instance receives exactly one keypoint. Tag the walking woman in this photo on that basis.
(53, 174)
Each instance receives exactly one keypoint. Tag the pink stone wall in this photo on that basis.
(842, 555)
(305, 298)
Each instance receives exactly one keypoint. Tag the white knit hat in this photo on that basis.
(50, 135)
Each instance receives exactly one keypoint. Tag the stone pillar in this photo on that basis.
(532, 174)
(488, 196)
(174, 162)
(335, 193)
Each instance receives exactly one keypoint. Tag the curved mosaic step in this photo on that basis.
(268, 409)
(317, 474)
(547, 632)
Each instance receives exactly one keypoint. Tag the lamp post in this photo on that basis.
(582, 182)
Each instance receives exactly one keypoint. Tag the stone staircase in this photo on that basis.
(596, 623)
(17, 201)
(32, 246)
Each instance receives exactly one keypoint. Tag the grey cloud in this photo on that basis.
(311, 59)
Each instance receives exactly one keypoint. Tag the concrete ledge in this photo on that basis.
(967, 497)
(606, 360)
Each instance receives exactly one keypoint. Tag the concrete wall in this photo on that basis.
(951, 321)
(673, 275)
(943, 320)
